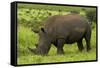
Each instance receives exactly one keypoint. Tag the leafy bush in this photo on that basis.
(91, 15)
(34, 18)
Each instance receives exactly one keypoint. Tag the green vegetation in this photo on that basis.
(29, 17)
(91, 15)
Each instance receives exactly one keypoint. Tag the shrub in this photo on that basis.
(91, 15)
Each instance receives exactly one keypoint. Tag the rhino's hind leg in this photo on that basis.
(80, 45)
(88, 45)
(87, 38)
(60, 44)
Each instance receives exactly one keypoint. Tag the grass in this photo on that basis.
(27, 38)
(31, 17)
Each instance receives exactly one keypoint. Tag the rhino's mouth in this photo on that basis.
(36, 52)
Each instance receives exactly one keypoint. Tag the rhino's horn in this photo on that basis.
(32, 50)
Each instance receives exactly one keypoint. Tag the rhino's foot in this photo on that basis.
(81, 49)
(88, 49)
(60, 52)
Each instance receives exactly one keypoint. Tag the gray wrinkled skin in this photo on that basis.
(63, 29)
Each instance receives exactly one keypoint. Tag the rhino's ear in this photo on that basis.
(36, 45)
(43, 30)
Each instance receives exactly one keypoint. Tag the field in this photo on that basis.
(29, 18)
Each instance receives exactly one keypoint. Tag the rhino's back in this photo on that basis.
(61, 26)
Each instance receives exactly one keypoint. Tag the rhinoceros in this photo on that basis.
(63, 29)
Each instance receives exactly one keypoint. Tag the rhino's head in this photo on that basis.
(43, 46)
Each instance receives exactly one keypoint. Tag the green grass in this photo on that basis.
(32, 16)
(27, 38)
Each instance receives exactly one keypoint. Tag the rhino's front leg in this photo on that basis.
(60, 44)
(80, 45)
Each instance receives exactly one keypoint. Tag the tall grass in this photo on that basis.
(27, 38)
